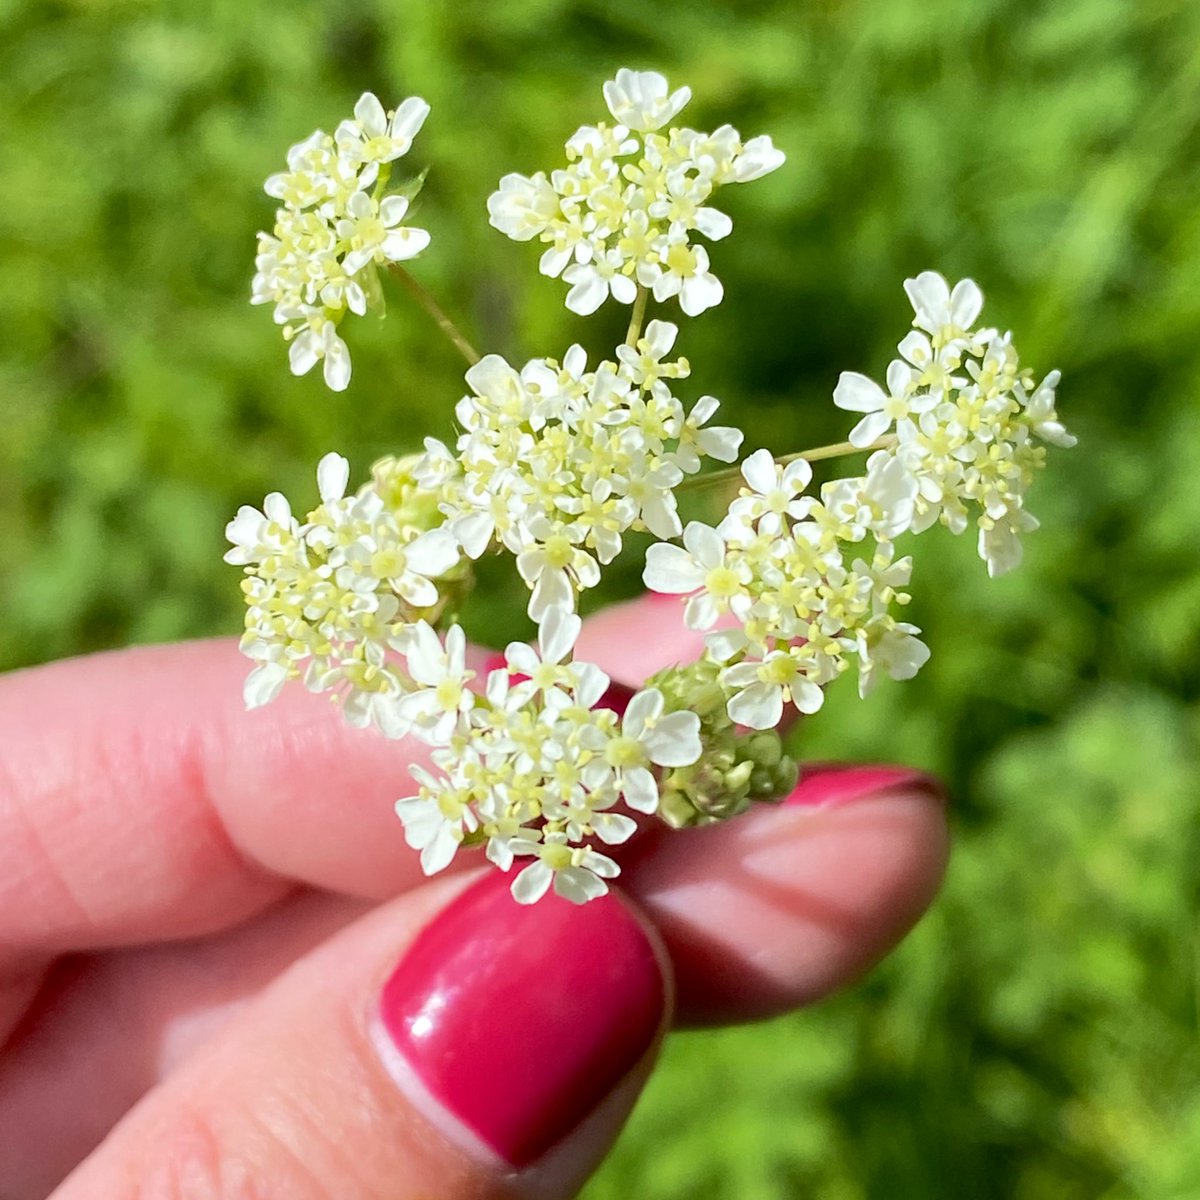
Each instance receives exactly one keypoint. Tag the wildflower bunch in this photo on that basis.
(623, 210)
(967, 422)
(328, 598)
(534, 767)
(335, 227)
(558, 462)
(542, 761)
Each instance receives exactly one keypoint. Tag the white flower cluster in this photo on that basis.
(622, 211)
(329, 598)
(781, 566)
(334, 228)
(957, 425)
(558, 462)
(962, 417)
(555, 463)
(532, 767)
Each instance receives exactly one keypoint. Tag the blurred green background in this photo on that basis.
(1037, 1037)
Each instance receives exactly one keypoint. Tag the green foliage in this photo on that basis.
(1036, 1038)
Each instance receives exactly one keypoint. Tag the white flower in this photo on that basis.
(435, 820)
(320, 260)
(944, 313)
(857, 393)
(762, 688)
(967, 421)
(594, 281)
(328, 599)
(722, 442)
(774, 492)
(318, 340)
(892, 646)
(372, 232)
(880, 503)
(577, 872)
(256, 535)
(555, 566)
(443, 699)
(640, 99)
(1000, 541)
(547, 671)
(643, 364)
(523, 206)
(683, 272)
(1043, 419)
(701, 565)
(758, 157)
(377, 136)
(556, 463)
(648, 738)
(624, 209)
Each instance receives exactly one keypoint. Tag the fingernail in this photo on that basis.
(617, 697)
(824, 785)
(518, 1019)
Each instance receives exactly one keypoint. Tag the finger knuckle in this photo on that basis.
(188, 1161)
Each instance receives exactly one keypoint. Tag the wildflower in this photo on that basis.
(334, 230)
(640, 99)
(774, 492)
(557, 463)
(622, 212)
(703, 565)
(442, 699)
(647, 738)
(578, 873)
(859, 394)
(965, 417)
(328, 599)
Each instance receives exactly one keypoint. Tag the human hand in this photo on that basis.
(221, 973)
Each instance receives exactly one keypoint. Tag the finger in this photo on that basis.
(106, 1028)
(449, 1044)
(139, 801)
(788, 903)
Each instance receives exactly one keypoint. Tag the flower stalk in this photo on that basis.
(426, 300)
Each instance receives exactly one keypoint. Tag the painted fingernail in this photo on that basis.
(825, 785)
(520, 1020)
(617, 697)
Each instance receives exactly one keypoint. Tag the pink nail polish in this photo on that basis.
(520, 1020)
(494, 662)
(823, 785)
(616, 697)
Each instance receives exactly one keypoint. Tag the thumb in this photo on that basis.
(451, 1043)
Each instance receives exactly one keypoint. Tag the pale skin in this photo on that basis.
(198, 906)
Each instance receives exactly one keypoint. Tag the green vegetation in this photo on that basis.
(1037, 1037)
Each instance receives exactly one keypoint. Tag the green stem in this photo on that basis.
(834, 450)
(838, 449)
(635, 320)
(434, 309)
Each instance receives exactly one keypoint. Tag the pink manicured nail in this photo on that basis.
(494, 662)
(823, 785)
(617, 697)
(520, 1020)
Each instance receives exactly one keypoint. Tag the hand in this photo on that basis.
(222, 975)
